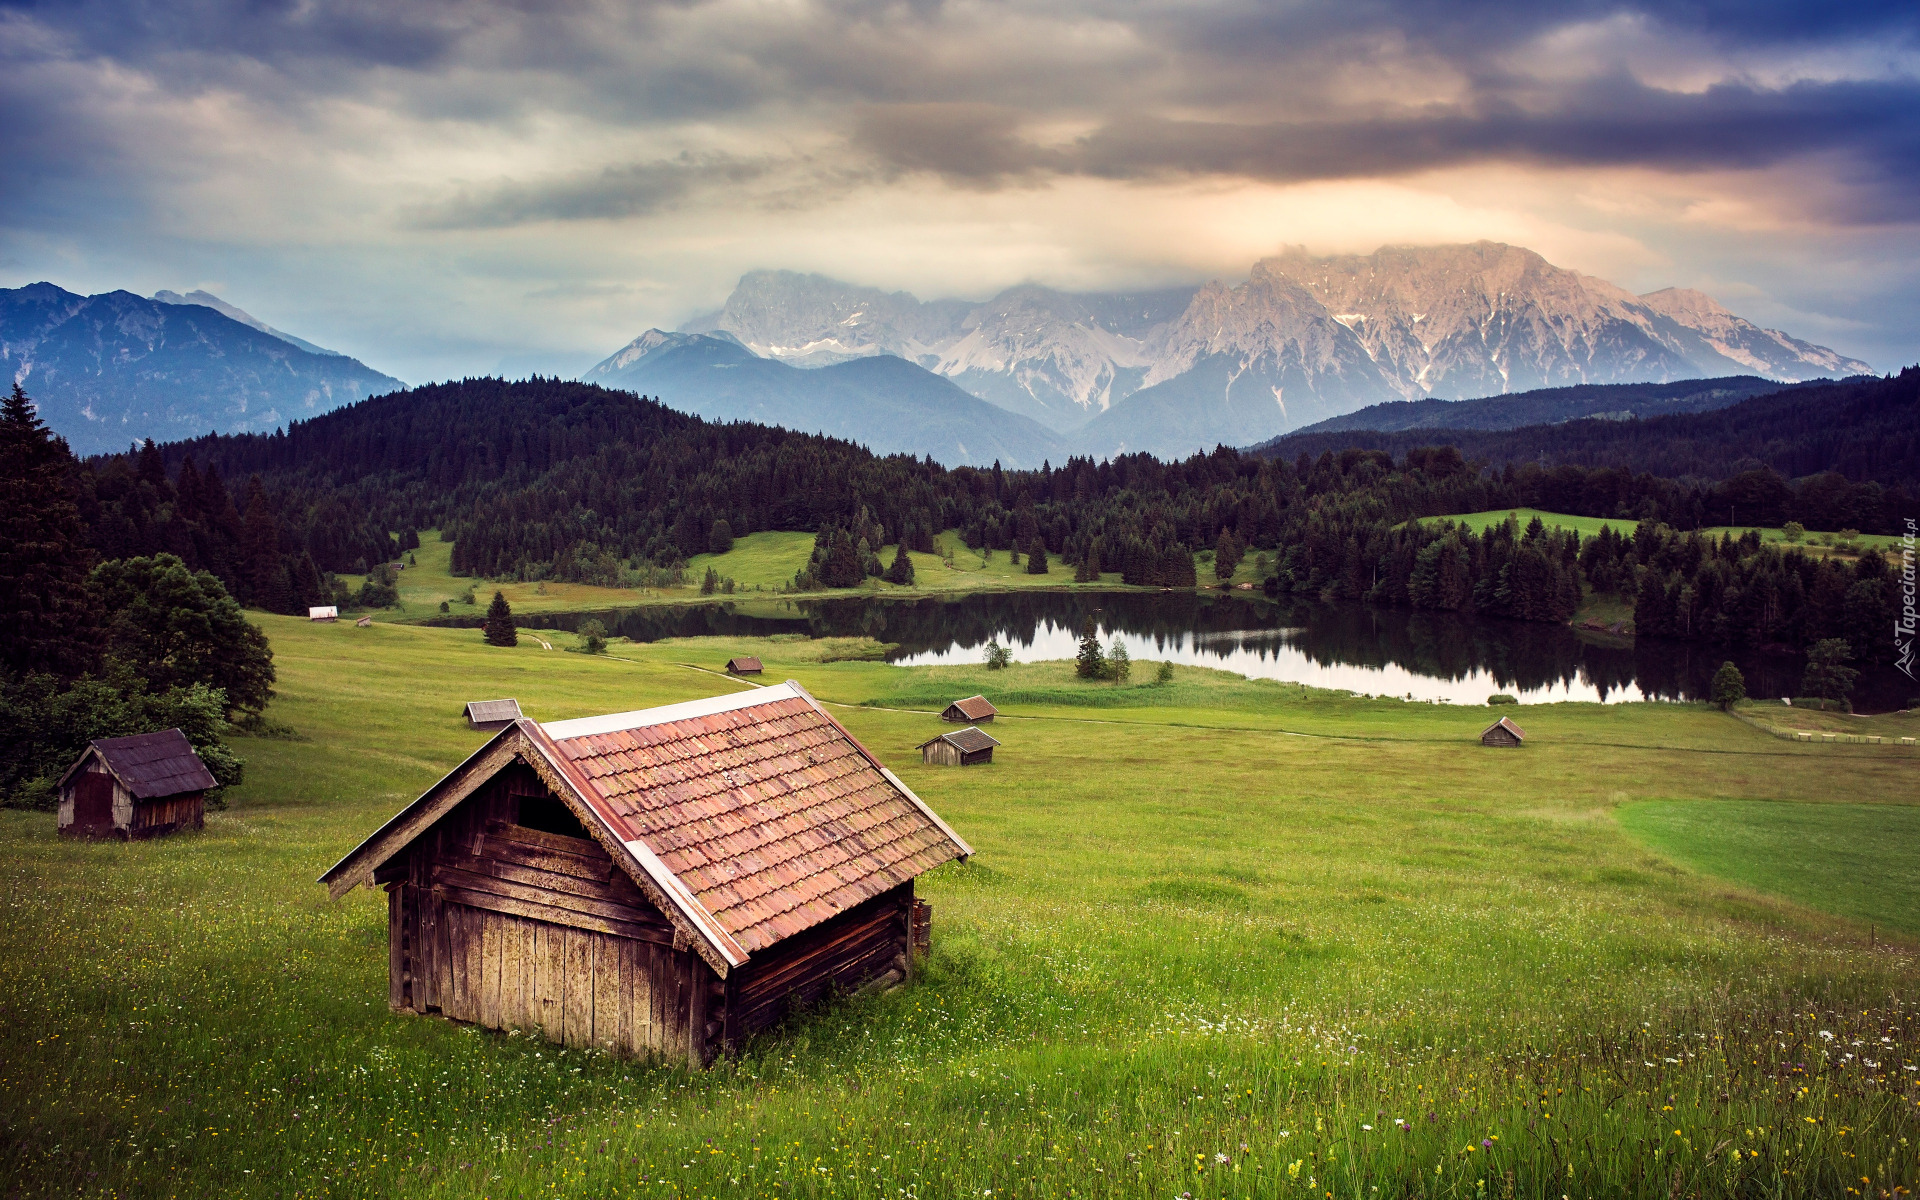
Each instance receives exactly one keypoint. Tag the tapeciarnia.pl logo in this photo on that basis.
(1903, 629)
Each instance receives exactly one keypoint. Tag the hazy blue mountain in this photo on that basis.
(112, 369)
(888, 404)
(208, 300)
(1550, 406)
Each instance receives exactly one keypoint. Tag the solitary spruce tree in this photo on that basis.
(1090, 663)
(1036, 556)
(499, 630)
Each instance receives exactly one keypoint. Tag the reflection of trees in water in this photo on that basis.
(1518, 655)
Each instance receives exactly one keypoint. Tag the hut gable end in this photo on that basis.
(972, 709)
(1502, 733)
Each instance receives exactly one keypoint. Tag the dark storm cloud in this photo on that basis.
(628, 191)
(976, 94)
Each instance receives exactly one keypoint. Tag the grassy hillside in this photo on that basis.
(1853, 860)
(1815, 542)
(1220, 938)
(763, 562)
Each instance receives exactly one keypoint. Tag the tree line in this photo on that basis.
(94, 647)
(553, 479)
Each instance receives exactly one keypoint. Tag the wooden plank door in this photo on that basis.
(93, 802)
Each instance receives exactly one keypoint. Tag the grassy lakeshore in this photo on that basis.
(1221, 937)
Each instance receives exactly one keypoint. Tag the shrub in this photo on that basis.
(1502, 698)
(1164, 674)
(997, 656)
(593, 636)
(1793, 531)
(1729, 686)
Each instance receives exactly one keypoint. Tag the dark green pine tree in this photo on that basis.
(1090, 663)
(1828, 677)
(48, 618)
(1089, 569)
(841, 567)
(1036, 556)
(1227, 553)
(259, 547)
(900, 571)
(1729, 686)
(309, 589)
(499, 630)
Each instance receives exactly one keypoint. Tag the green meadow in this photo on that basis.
(1220, 938)
(758, 563)
(1811, 542)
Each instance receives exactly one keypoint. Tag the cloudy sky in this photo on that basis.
(465, 186)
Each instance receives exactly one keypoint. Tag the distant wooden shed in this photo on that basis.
(147, 785)
(492, 714)
(1503, 733)
(961, 748)
(668, 881)
(744, 665)
(323, 612)
(969, 711)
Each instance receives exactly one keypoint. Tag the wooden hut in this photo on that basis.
(744, 665)
(148, 785)
(659, 882)
(961, 748)
(323, 612)
(492, 714)
(971, 711)
(1502, 733)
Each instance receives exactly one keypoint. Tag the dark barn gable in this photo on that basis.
(147, 785)
(745, 665)
(668, 881)
(961, 748)
(1502, 733)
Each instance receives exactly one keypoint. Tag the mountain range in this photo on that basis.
(886, 403)
(1304, 339)
(110, 369)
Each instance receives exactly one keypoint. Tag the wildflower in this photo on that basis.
(1293, 1168)
(1221, 1158)
(1486, 1143)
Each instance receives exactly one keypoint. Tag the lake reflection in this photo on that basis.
(1391, 652)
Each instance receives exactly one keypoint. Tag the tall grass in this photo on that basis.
(1194, 955)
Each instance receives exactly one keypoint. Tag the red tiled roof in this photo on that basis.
(975, 707)
(769, 813)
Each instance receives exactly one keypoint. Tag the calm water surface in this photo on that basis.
(1392, 652)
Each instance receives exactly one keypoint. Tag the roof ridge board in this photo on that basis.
(650, 718)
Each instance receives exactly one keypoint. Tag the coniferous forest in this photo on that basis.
(553, 479)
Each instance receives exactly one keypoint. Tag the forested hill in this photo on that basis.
(545, 479)
(1866, 429)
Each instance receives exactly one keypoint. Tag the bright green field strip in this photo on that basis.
(1585, 526)
(1774, 534)
(1852, 860)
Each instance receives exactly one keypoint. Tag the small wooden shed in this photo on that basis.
(492, 714)
(323, 612)
(1503, 733)
(143, 786)
(972, 710)
(961, 748)
(668, 881)
(744, 665)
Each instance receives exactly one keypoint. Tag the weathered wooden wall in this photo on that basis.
(516, 928)
(155, 818)
(860, 945)
(940, 754)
